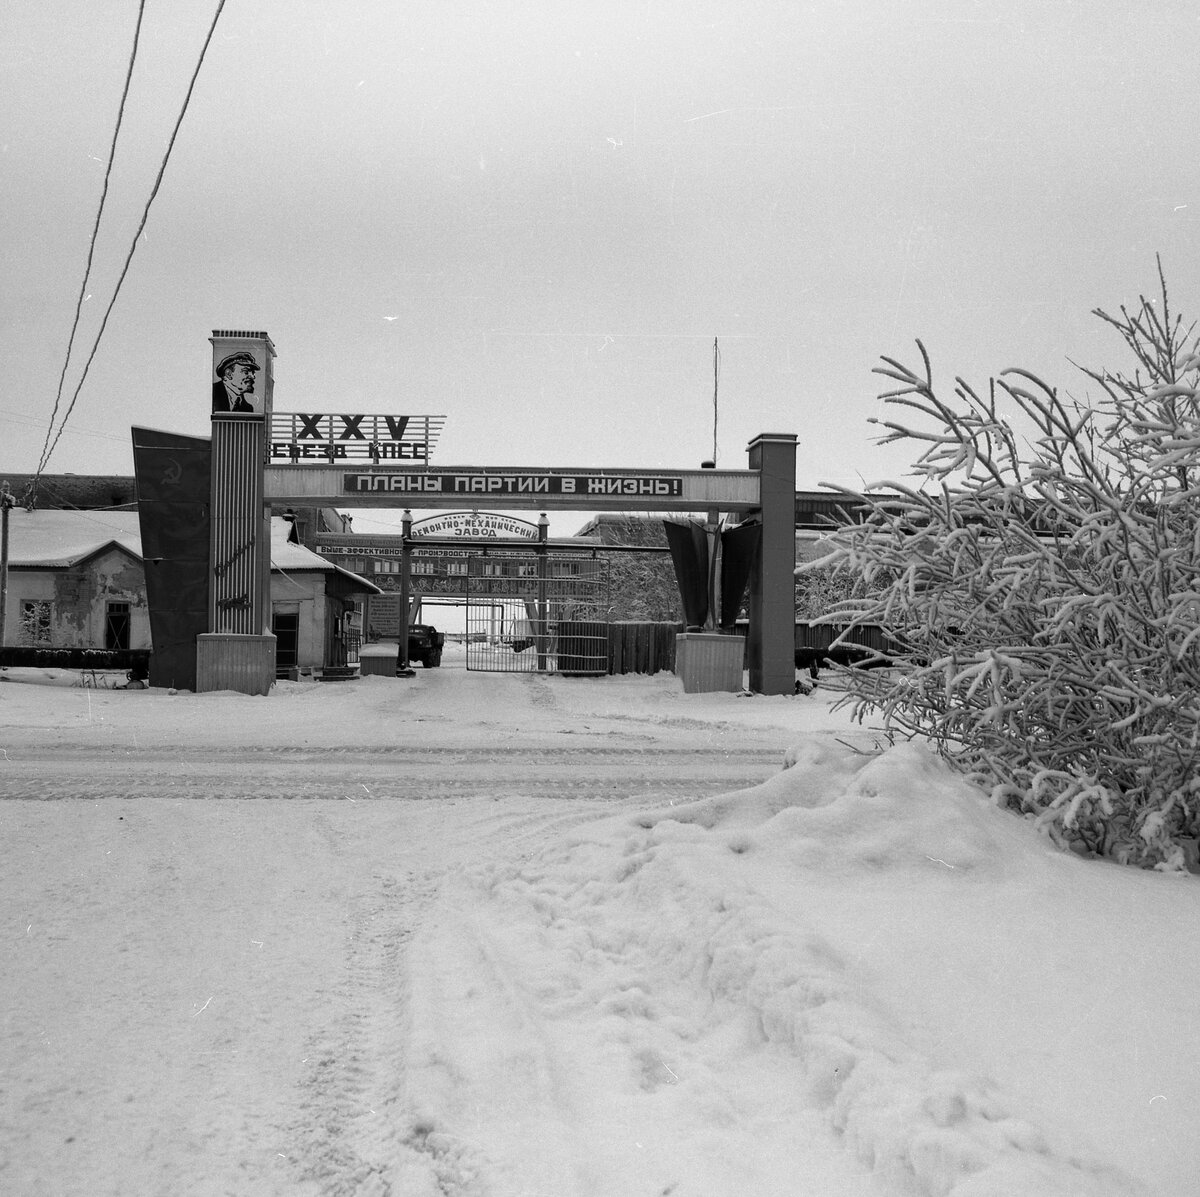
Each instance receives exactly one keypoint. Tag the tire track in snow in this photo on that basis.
(652, 791)
(360, 1129)
(489, 1095)
(609, 773)
(416, 753)
(356, 1062)
(540, 693)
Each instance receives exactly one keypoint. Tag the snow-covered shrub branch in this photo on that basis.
(1043, 580)
(819, 588)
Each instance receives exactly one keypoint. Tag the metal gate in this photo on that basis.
(537, 613)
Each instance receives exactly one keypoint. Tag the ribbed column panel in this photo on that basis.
(240, 545)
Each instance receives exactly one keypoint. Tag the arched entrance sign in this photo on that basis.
(477, 525)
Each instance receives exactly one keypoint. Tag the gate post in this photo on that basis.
(403, 664)
(772, 647)
(541, 628)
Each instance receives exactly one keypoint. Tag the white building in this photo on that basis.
(76, 580)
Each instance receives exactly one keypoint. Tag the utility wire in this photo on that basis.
(133, 247)
(20, 418)
(87, 271)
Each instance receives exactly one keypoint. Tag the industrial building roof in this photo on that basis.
(55, 539)
(292, 558)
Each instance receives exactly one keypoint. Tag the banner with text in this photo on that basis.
(297, 437)
(630, 486)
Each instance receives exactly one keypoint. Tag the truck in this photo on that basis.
(425, 645)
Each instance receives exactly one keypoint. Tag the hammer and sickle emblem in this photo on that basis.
(173, 473)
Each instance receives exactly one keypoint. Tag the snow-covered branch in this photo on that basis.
(1045, 593)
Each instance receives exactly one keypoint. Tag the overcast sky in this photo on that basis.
(559, 204)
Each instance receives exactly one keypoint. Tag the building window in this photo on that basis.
(425, 568)
(35, 621)
(116, 626)
(286, 626)
(456, 567)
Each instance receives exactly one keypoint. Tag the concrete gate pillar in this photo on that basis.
(238, 651)
(772, 647)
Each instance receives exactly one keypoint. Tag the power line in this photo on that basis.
(141, 226)
(87, 271)
(18, 418)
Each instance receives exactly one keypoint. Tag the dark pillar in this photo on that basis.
(174, 492)
(772, 583)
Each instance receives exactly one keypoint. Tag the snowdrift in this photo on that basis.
(862, 939)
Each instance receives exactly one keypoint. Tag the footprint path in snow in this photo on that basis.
(595, 1019)
(545, 1059)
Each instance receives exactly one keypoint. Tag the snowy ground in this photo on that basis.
(500, 935)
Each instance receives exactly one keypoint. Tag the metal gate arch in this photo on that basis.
(764, 493)
(530, 612)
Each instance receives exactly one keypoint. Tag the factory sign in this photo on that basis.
(483, 525)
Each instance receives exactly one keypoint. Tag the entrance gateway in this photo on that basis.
(532, 605)
(765, 493)
(260, 459)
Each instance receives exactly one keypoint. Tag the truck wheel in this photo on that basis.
(433, 660)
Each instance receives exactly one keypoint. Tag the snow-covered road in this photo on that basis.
(387, 772)
(446, 733)
(502, 936)
(216, 997)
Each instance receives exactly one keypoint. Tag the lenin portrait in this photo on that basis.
(233, 390)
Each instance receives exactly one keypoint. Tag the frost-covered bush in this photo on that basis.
(1043, 579)
(641, 586)
(820, 588)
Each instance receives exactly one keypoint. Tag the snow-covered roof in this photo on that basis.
(57, 539)
(295, 558)
(54, 539)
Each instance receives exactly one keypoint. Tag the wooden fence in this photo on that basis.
(642, 647)
(815, 647)
(650, 647)
(136, 661)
